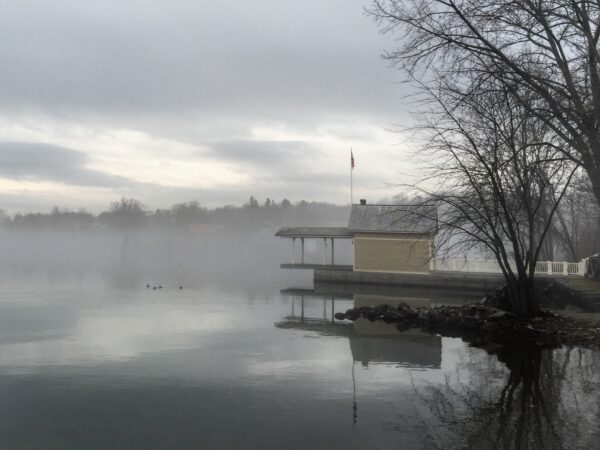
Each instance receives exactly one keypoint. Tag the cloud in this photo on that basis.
(46, 162)
(263, 153)
(265, 59)
(230, 98)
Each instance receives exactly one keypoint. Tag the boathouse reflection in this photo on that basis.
(370, 342)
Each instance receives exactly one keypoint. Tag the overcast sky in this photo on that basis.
(169, 101)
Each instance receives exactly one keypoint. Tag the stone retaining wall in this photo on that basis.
(445, 280)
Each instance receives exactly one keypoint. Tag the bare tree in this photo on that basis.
(576, 228)
(499, 178)
(547, 49)
(125, 214)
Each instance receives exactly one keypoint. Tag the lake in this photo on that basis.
(96, 360)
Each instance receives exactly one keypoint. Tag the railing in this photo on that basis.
(560, 268)
(593, 267)
(491, 266)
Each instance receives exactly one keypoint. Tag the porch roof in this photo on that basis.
(315, 232)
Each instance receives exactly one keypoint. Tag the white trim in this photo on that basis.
(431, 261)
(394, 233)
(369, 238)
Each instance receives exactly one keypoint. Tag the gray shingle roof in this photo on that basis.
(393, 219)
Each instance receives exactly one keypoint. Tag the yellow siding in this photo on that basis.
(391, 254)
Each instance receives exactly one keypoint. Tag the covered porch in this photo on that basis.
(325, 236)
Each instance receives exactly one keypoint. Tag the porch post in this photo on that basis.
(293, 250)
(332, 252)
(332, 308)
(323, 253)
(302, 245)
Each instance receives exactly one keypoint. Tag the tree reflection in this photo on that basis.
(523, 398)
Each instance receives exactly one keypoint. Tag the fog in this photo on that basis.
(186, 245)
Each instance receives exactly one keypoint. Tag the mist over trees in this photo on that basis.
(128, 215)
(186, 244)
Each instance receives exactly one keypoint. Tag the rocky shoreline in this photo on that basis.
(484, 325)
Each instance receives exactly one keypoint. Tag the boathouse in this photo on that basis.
(386, 239)
(394, 245)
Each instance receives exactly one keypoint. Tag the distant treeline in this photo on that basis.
(131, 214)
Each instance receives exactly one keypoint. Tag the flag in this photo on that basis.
(351, 160)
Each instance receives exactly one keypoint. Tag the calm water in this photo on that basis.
(98, 362)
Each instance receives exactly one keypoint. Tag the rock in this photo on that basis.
(372, 316)
(452, 321)
(490, 328)
(470, 323)
(501, 315)
(486, 300)
(390, 317)
(352, 314)
(436, 317)
(340, 316)
(499, 300)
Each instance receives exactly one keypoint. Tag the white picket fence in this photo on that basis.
(491, 266)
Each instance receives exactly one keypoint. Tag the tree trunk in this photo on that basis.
(523, 298)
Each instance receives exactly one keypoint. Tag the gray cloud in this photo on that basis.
(268, 59)
(263, 153)
(38, 161)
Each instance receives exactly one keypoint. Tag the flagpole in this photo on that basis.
(351, 194)
(351, 170)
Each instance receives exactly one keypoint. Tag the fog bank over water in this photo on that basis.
(186, 245)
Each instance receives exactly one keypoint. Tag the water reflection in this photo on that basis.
(370, 342)
(86, 364)
(524, 397)
(537, 399)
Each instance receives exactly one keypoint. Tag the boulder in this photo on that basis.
(340, 316)
(352, 314)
